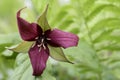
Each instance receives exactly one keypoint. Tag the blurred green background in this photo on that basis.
(96, 22)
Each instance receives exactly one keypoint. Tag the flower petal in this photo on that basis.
(38, 59)
(28, 31)
(58, 54)
(62, 39)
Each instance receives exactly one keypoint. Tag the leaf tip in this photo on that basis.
(70, 62)
(46, 9)
(8, 48)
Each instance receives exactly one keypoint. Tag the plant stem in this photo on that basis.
(100, 76)
(35, 78)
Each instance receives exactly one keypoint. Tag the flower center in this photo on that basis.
(41, 41)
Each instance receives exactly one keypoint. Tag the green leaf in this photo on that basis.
(22, 47)
(23, 70)
(106, 23)
(102, 36)
(110, 47)
(57, 54)
(42, 20)
(83, 54)
(47, 76)
(8, 40)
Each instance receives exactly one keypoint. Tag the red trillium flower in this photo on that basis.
(43, 41)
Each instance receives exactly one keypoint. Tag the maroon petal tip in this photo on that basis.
(28, 31)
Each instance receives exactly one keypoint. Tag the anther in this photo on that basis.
(39, 45)
(48, 38)
(36, 38)
(44, 46)
(39, 49)
(42, 40)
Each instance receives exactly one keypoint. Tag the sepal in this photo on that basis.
(23, 47)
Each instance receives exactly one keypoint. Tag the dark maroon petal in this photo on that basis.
(38, 59)
(28, 31)
(62, 39)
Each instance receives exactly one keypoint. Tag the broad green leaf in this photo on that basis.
(19, 71)
(42, 20)
(23, 70)
(47, 76)
(57, 54)
(8, 40)
(6, 64)
(22, 47)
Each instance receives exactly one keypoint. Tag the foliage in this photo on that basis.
(95, 21)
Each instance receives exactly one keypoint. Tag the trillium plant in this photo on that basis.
(40, 41)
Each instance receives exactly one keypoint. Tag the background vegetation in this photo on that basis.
(96, 22)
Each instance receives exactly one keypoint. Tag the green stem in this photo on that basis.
(100, 76)
(89, 35)
(35, 78)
